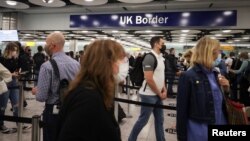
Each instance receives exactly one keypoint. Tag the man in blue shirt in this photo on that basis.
(46, 90)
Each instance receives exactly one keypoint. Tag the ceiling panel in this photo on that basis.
(187, 6)
(122, 5)
(53, 3)
(135, 1)
(234, 4)
(145, 7)
(89, 3)
(14, 4)
(104, 9)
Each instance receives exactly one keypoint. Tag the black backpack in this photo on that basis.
(246, 73)
(137, 74)
(63, 84)
(39, 59)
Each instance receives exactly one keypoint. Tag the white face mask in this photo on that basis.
(123, 70)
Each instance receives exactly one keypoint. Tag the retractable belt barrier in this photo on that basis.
(23, 80)
(20, 120)
(16, 119)
(35, 121)
(134, 87)
(145, 104)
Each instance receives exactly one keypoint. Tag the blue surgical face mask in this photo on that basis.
(216, 62)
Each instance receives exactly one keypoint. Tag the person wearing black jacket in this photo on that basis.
(24, 63)
(86, 113)
(170, 71)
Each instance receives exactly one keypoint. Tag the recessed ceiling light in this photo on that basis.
(226, 31)
(88, 0)
(218, 35)
(185, 31)
(246, 38)
(227, 13)
(186, 14)
(85, 31)
(48, 1)
(148, 31)
(114, 31)
(11, 2)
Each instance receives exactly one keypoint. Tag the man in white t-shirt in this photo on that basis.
(153, 90)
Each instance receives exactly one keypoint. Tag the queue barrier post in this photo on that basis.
(128, 96)
(36, 131)
(20, 111)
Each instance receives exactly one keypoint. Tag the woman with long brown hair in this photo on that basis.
(86, 112)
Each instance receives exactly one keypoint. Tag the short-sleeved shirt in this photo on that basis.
(158, 76)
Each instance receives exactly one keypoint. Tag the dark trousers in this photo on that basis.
(234, 94)
(244, 94)
(170, 77)
(50, 123)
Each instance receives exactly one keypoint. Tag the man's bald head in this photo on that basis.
(57, 38)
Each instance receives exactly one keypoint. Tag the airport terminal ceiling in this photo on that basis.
(142, 37)
(107, 6)
(230, 35)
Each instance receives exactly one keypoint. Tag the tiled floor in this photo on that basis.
(147, 134)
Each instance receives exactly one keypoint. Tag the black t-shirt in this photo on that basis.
(39, 58)
(25, 62)
(10, 63)
(83, 117)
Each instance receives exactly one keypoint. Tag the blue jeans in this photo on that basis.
(3, 104)
(13, 95)
(144, 117)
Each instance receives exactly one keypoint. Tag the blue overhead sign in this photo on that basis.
(163, 19)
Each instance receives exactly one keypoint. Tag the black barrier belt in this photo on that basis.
(20, 120)
(16, 119)
(27, 88)
(27, 79)
(145, 104)
(135, 87)
(131, 87)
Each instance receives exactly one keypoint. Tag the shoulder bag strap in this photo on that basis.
(57, 74)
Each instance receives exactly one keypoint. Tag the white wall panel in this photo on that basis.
(43, 21)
